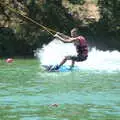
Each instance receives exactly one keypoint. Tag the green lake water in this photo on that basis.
(29, 93)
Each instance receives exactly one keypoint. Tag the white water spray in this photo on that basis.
(54, 52)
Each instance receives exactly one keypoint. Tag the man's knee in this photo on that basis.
(67, 58)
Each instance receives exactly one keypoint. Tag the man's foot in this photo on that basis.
(49, 67)
(71, 68)
(54, 68)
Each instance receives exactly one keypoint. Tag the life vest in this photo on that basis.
(82, 46)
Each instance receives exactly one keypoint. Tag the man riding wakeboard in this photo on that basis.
(81, 48)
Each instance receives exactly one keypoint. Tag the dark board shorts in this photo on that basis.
(77, 58)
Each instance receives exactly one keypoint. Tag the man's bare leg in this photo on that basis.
(63, 61)
(72, 65)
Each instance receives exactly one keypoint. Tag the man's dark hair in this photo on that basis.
(75, 30)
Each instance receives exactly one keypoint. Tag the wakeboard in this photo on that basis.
(64, 68)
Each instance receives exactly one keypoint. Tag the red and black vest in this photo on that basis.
(82, 46)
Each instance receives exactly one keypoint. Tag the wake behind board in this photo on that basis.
(64, 68)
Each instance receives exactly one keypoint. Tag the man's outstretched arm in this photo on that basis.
(63, 35)
(69, 40)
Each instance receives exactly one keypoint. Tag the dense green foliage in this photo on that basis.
(77, 1)
(107, 30)
(28, 35)
(110, 11)
(24, 37)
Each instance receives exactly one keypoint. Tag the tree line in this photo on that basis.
(20, 37)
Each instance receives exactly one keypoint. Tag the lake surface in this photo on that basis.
(29, 93)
